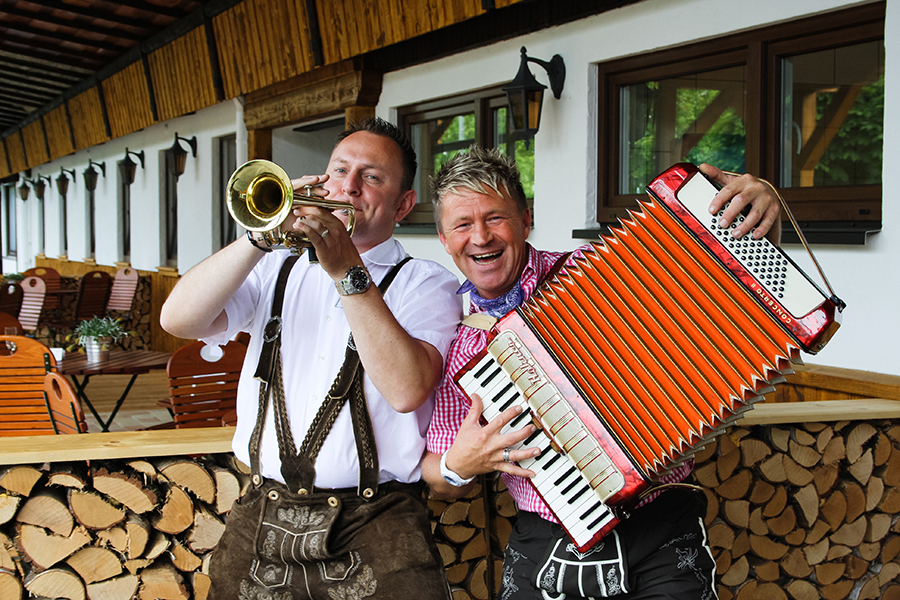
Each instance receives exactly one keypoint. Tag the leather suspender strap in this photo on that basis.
(298, 468)
(265, 368)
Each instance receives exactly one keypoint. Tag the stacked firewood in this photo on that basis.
(114, 531)
(805, 511)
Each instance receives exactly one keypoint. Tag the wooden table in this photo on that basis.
(120, 362)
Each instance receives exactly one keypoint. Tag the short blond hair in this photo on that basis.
(478, 170)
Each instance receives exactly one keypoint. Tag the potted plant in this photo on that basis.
(96, 336)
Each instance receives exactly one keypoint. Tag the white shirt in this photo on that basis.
(422, 298)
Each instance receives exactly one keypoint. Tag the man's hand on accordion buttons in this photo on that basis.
(746, 191)
(478, 449)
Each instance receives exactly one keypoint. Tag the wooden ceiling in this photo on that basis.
(77, 73)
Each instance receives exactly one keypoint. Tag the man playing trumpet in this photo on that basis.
(363, 501)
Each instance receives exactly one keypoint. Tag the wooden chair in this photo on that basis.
(10, 298)
(124, 287)
(53, 284)
(93, 293)
(63, 405)
(34, 292)
(7, 321)
(22, 373)
(203, 390)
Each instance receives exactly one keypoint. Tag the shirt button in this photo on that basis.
(321, 357)
(328, 318)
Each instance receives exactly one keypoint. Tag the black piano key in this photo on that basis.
(576, 497)
(592, 509)
(490, 376)
(596, 522)
(565, 476)
(511, 399)
(517, 420)
(551, 461)
(487, 365)
(569, 487)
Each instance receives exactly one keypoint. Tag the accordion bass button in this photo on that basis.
(273, 495)
(333, 501)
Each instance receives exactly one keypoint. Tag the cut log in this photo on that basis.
(706, 475)
(890, 503)
(795, 473)
(834, 510)
(828, 573)
(851, 534)
(93, 511)
(817, 553)
(784, 523)
(773, 468)
(228, 488)
(874, 493)
(794, 564)
(837, 591)
(837, 551)
(823, 438)
(9, 555)
(46, 549)
(136, 565)
(879, 525)
(505, 505)
(767, 548)
(860, 434)
(138, 533)
(183, 559)
(737, 512)
(753, 451)
(10, 586)
(757, 523)
(95, 564)
(835, 451)
(762, 492)
(120, 588)
(769, 591)
(726, 463)
(114, 537)
(47, 509)
(9, 505)
(799, 436)
(882, 450)
(802, 590)
(723, 561)
(478, 583)
(777, 503)
(126, 488)
(741, 544)
(177, 513)
(159, 543)
(190, 475)
(796, 537)
(857, 567)
(825, 477)
(780, 438)
(888, 573)
(808, 501)
(736, 486)
(145, 467)
(805, 456)
(163, 583)
(889, 551)
(720, 536)
(458, 533)
(475, 548)
(819, 530)
(869, 552)
(19, 479)
(862, 468)
(869, 590)
(456, 512)
(478, 514)
(69, 475)
(55, 583)
(206, 531)
(856, 501)
(737, 574)
(766, 570)
(448, 554)
(200, 583)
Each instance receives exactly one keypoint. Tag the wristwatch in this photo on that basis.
(356, 281)
(451, 477)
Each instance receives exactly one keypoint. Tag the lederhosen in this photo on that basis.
(287, 541)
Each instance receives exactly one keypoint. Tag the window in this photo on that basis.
(124, 213)
(800, 104)
(170, 212)
(438, 129)
(90, 201)
(9, 219)
(227, 227)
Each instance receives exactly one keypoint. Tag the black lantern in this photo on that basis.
(40, 186)
(24, 189)
(526, 95)
(178, 154)
(128, 167)
(90, 175)
(62, 182)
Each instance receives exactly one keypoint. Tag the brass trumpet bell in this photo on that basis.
(260, 197)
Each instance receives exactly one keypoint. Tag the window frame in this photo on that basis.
(482, 103)
(848, 212)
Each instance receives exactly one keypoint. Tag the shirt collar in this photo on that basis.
(511, 299)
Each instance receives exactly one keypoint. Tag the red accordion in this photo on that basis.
(642, 348)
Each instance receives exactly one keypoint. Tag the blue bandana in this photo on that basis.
(496, 307)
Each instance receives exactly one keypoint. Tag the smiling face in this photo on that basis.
(485, 234)
(366, 170)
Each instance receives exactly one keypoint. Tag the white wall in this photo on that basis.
(863, 276)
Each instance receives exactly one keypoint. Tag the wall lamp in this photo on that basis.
(62, 182)
(24, 189)
(179, 154)
(90, 175)
(40, 186)
(128, 168)
(525, 94)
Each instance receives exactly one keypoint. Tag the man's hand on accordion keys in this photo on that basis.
(753, 197)
(481, 449)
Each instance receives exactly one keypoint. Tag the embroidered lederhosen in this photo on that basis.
(291, 541)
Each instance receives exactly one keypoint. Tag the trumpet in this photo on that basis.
(260, 197)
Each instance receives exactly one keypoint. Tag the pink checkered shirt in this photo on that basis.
(451, 404)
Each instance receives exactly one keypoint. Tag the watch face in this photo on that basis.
(358, 278)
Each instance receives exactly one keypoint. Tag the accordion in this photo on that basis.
(642, 348)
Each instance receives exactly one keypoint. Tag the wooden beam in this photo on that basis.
(355, 114)
(259, 144)
(105, 446)
(820, 411)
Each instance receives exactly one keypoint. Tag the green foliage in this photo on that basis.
(99, 327)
